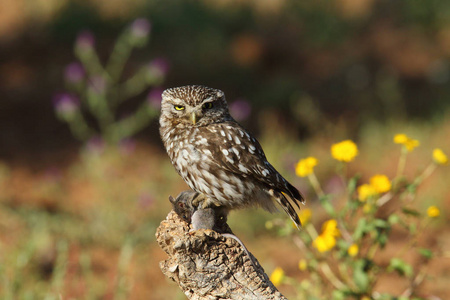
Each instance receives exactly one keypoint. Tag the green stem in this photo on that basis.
(311, 231)
(91, 63)
(343, 175)
(119, 57)
(425, 174)
(315, 184)
(372, 250)
(401, 163)
(79, 127)
(331, 277)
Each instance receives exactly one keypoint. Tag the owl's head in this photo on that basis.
(194, 105)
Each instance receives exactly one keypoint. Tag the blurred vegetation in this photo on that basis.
(354, 60)
(344, 260)
(77, 219)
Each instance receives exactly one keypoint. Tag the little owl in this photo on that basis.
(216, 156)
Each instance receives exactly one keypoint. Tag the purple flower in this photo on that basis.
(66, 103)
(154, 98)
(95, 145)
(140, 28)
(74, 72)
(85, 41)
(158, 67)
(127, 146)
(97, 84)
(240, 109)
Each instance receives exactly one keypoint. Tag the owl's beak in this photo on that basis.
(194, 118)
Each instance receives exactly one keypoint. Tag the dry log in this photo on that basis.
(206, 265)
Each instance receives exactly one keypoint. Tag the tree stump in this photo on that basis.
(206, 265)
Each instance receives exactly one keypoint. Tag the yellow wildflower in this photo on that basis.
(366, 191)
(353, 250)
(380, 183)
(433, 212)
(327, 239)
(344, 151)
(302, 264)
(305, 215)
(277, 276)
(406, 141)
(324, 242)
(400, 138)
(330, 228)
(306, 166)
(411, 144)
(439, 157)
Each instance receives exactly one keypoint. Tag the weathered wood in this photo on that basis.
(207, 265)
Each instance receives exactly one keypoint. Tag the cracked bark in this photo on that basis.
(206, 265)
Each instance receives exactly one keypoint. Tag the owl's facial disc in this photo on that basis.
(200, 110)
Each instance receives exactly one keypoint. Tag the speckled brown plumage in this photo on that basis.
(216, 156)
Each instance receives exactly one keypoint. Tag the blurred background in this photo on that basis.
(79, 204)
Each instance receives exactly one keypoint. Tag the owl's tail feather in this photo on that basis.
(287, 207)
(295, 195)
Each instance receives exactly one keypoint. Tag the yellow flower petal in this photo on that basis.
(305, 215)
(406, 141)
(277, 276)
(353, 250)
(400, 138)
(433, 212)
(302, 264)
(306, 166)
(411, 144)
(344, 151)
(330, 228)
(439, 157)
(324, 242)
(380, 183)
(366, 191)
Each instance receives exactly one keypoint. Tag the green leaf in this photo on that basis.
(427, 253)
(360, 275)
(412, 212)
(382, 239)
(360, 229)
(411, 188)
(338, 295)
(401, 267)
(393, 219)
(326, 204)
(380, 223)
(351, 186)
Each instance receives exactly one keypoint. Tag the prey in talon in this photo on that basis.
(204, 218)
(186, 206)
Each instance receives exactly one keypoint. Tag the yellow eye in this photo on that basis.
(207, 105)
(178, 107)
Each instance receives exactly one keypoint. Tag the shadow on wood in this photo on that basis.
(207, 265)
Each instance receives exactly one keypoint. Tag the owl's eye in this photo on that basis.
(178, 107)
(207, 105)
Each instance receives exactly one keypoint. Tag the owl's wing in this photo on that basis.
(235, 150)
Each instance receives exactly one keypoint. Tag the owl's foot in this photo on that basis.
(199, 201)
